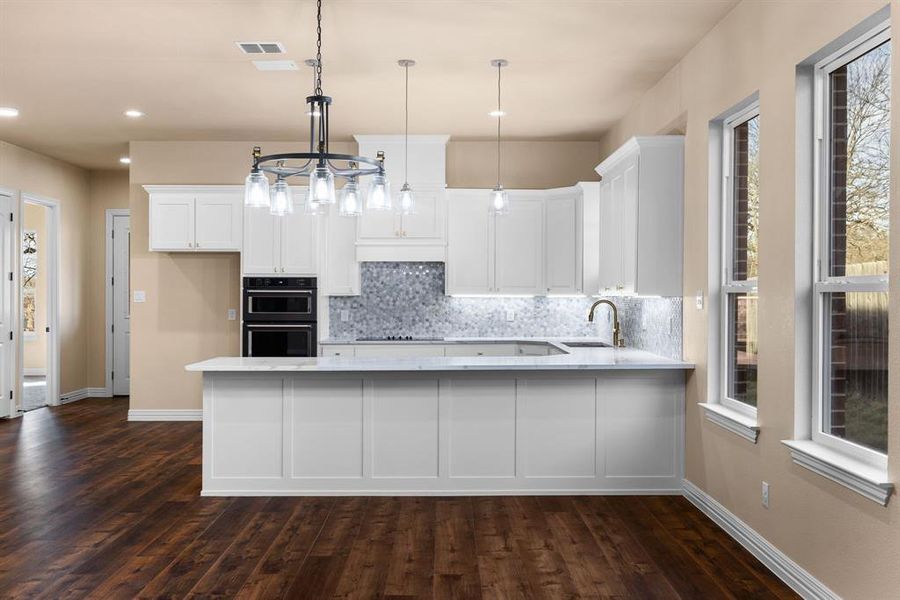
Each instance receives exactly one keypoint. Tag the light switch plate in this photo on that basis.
(510, 315)
(765, 494)
(232, 314)
(699, 299)
(345, 315)
(140, 296)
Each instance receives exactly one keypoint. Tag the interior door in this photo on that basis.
(217, 222)
(121, 306)
(7, 295)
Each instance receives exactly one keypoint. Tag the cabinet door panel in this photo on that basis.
(171, 222)
(520, 247)
(341, 274)
(379, 225)
(629, 209)
(470, 268)
(427, 222)
(261, 253)
(562, 245)
(298, 243)
(218, 221)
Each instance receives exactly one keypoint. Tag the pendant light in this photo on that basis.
(282, 201)
(256, 190)
(406, 202)
(378, 196)
(499, 196)
(350, 204)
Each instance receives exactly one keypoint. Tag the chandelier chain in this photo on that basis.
(318, 47)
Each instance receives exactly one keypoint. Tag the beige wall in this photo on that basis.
(33, 173)
(848, 542)
(109, 189)
(188, 296)
(35, 350)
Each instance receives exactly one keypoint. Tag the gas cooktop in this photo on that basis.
(398, 338)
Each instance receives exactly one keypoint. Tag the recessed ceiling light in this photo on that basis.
(497, 113)
(125, 160)
(8, 111)
(133, 113)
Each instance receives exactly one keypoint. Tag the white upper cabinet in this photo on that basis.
(340, 276)
(563, 258)
(641, 218)
(470, 242)
(195, 218)
(519, 254)
(418, 237)
(285, 245)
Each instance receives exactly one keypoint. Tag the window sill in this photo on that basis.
(732, 420)
(856, 475)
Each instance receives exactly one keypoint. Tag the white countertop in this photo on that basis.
(585, 359)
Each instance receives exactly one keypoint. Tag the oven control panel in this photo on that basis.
(280, 283)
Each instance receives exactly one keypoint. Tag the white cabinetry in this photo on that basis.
(340, 275)
(286, 244)
(641, 197)
(537, 248)
(420, 236)
(195, 218)
(519, 250)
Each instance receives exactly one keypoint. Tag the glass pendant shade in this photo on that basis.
(379, 193)
(406, 202)
(350, 204)
(309, 207)
(321, 186)
(282, 201)
(256, 190)
(499, 200)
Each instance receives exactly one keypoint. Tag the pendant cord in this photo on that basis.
(499, 117)
(318, 47)
(406, 130)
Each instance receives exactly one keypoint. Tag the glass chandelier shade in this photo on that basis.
(499, 200)
(350, 204)
(378, 196)
(282, 200)
(256, 190)
(321, 186)
(406, 204)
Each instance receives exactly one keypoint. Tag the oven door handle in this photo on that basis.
(304, 292)
(257, 326)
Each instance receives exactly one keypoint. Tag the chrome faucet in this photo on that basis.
(618, 340)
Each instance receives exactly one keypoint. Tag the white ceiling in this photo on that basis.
(73, 66)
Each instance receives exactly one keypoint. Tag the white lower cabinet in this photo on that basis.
(195, 218)
(284, 245)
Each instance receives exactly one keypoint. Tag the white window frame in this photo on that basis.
(823, 283)
(729, 286)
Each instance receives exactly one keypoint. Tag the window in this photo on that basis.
(851, 258)
(29, 275)
(740, 260)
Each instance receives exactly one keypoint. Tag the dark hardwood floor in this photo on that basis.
(94, 506)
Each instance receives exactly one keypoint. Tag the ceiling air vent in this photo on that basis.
(261, 47)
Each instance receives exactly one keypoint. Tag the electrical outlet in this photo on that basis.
(232, 314)
(140, 296)
(510, 315)
(699, 299)
(765, 494)
(345, 315)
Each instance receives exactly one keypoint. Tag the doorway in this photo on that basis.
(8, 295)
(118, 308)
(38, 284)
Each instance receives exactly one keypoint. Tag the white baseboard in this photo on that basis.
(795, 576)
(88, 392)
(34, 372)
(166, 415)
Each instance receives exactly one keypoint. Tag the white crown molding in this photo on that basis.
(795, 576)
(634, 145)
(733, 421)
(192, 189)
(866, 480)
(165, 415)
(399, 139)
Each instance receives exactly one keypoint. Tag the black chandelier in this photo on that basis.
(318, 164)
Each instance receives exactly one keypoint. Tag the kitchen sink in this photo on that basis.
(586, 344)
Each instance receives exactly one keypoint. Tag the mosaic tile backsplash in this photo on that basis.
(408, 299)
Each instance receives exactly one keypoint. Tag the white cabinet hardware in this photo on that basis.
(195, 218)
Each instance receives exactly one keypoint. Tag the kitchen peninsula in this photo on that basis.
(535, 416)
